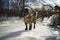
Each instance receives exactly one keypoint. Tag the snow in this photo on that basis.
(14, 29)
(52, 20)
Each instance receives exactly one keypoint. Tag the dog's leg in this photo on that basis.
(26, 26)
(30, 26)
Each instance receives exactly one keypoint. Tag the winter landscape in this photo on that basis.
(16, 14)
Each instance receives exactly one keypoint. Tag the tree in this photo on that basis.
(0, 3)
(0, 7)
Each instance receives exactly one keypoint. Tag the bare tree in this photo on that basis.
(0, 3)
(0, 7)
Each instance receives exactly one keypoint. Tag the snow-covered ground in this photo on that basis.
(14, 29)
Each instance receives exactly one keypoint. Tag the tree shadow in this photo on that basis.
(51, 38)
(32, 38)
(11, 35)
(29, 38)
(55, 28)
(3, 19)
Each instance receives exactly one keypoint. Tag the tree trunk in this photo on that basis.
(59, 20)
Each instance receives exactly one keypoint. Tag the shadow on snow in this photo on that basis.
(13, 34)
